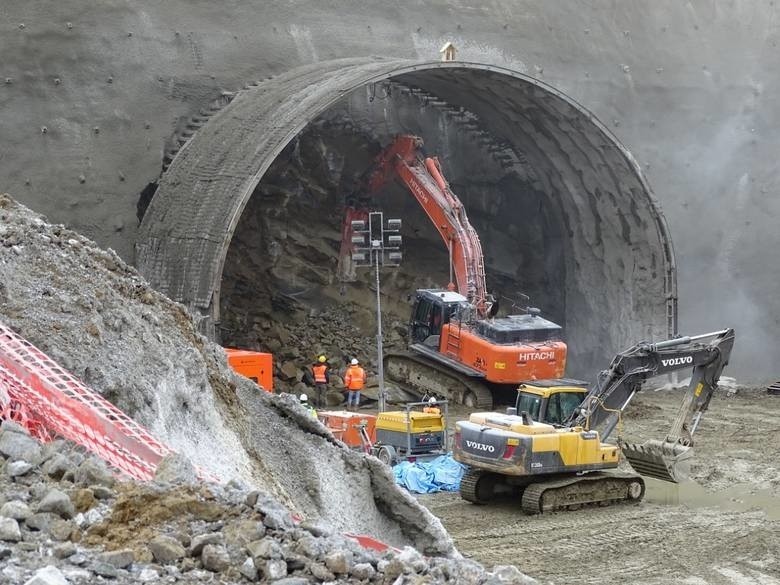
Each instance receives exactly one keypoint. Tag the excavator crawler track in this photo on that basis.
(587, 490)
(424, 376)
(477, 486)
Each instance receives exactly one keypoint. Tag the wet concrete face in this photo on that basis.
(559, 220)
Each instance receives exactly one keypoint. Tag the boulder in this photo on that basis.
(57, 502)
(9, 530)
(215, 558)
(176, 468)
(118, 558)
(18, 446)
(93, 471)
(201, 540)
(16, 510)
(166, 550)
(49, 575)
(18, 468)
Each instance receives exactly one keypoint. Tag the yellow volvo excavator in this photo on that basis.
(551, 447)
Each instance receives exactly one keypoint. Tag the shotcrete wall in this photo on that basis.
(689, 88)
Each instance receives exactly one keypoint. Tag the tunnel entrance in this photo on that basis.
(563, 212)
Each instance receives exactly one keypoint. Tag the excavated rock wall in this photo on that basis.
(95, 316)
(689, 88)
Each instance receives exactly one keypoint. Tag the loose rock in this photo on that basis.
(9, 530)
(93, 471)
(118, 558)
(49, 575)
(198, 542)
(166, 549)
(215, 558)
(248, 569)
(17, 468)
(18, 446)
(57, 502)
(175, 468)
(272, 569)
(16, 510)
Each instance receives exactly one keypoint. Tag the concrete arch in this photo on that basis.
(619, 241)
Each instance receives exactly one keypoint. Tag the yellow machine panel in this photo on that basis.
(417, 422)
(510, 422)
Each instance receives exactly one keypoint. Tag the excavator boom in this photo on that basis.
(667, 459)
(457, 348)
(404, 160)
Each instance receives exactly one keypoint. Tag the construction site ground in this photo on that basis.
(724, 528)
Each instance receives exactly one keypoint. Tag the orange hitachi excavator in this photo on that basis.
(457, 347)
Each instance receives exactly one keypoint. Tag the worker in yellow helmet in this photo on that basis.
(321, 379)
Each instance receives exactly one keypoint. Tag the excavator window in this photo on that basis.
(530, 403)
(561, 405)
(436, 321)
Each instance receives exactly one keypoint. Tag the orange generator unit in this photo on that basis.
(255, 365)
(347, 427)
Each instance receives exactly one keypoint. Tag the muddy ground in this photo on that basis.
(724, 528)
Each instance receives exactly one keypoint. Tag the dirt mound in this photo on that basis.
(97, 317)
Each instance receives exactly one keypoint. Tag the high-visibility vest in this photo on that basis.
(355, 378)
(319, 372)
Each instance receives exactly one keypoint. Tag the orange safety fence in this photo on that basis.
(41, 395)
(49, 402)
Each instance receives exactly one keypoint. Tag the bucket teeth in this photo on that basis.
(658, 459)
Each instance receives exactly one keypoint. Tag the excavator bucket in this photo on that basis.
(659, 459)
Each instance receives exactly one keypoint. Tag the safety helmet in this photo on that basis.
(322, 359)
(354, 361)
(432, 400)
(304, 398)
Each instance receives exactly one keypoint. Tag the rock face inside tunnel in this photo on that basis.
(563, 211)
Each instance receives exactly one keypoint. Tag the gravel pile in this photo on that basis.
(97, 317)
(65, 519)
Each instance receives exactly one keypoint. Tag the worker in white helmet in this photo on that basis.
(432, 407)
(305, 403)
(354, 381)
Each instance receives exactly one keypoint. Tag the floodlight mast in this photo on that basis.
(377, 243)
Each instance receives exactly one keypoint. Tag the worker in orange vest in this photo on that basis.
(321, 378)
(354, 380)
(432, 407)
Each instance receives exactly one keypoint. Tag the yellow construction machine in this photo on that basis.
(551, 447)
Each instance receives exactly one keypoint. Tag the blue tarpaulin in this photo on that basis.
(425, 477)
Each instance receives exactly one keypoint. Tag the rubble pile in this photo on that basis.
(330, 332)
(64, 518)
(98, 318)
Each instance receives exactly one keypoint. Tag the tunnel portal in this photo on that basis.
(249, 210)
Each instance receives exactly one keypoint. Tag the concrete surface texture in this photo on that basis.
(93, 95)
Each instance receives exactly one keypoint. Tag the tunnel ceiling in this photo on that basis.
(619, 253)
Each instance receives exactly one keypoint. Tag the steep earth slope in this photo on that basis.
(95, 316)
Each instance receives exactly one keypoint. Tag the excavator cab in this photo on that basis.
(433, 309)
(550, 401)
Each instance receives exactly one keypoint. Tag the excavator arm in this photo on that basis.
(404, 160)
(610, 395)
